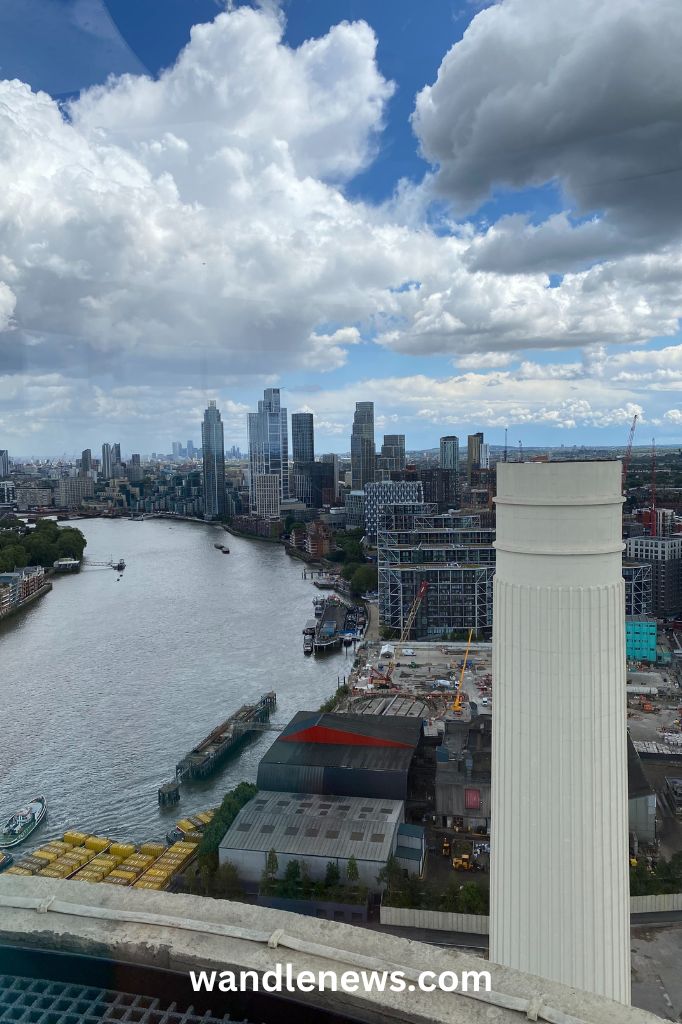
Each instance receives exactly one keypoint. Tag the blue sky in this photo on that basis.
(445, 145)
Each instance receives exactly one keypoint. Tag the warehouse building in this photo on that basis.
(315, 830)
(343, 755)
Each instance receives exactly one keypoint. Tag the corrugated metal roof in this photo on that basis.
(337, 755)
(405, 730)
(306, 824)
(386, 727)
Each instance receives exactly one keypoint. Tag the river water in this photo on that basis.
(105, 682)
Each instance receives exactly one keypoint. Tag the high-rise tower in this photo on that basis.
(268, 454)
(362, 450)
(213, 448)
(302, 438)
(559, 845)
(107, 462)
(474, 444)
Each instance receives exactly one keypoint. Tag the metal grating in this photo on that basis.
(38, 1001)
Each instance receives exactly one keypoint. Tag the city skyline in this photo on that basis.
(430, 274)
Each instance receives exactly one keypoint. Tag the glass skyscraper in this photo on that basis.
(268, 453)
(302, 438)
(213, 447)
(362, 450)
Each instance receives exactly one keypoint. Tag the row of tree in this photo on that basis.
(665, 876)
(40, 546)
(411, 892)
(297, 883)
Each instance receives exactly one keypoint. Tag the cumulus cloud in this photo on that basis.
(194, 229)
(581, 94)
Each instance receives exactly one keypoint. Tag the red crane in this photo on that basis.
(652, 526)
(628, 449)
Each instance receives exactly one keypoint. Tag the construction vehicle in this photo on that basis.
(457, 703)
(385, 677)
(465, 862)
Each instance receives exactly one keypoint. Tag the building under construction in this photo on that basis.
(452, 553)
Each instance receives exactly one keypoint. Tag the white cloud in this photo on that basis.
(582, 93)
(195, 228)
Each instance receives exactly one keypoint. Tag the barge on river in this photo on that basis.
(225, 739)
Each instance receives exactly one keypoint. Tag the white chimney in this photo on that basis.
(559, 855)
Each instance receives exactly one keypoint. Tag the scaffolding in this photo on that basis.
(638, 588)
(452, 553)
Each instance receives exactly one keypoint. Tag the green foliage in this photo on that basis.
(365, 577)
(409, 891)
(42, 546)
(298, 885)
(335, 699)
(665, 877)
(13, 556)
(349, 548)
(352, 873)
(226, 884)
(332, 875)
(222, 819)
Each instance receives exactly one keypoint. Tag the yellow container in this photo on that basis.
(113, 879)
(97, 843)
(153, 849)
(44, 854)
(50, 873)
(16, 870)
(144, 883)
(105, 861)
(75, 838)
(204, 816)
(122, 850)
(119, 873)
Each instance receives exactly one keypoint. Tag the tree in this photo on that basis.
(233, 801)
(70, 543)
(226, 882)
(271, 864)
(332, 875)
(352, 873)
(364, 578)
(12, 557)
(473, 899)
(391, 875)
(292, 879)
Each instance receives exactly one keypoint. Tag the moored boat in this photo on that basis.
(22, 823)
(6, 860)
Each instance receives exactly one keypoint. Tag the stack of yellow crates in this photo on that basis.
(168, 864)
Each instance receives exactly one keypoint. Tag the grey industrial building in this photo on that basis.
(315, 830)
(344, 755)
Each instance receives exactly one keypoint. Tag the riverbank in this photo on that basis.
(45, 589)
(151, 660)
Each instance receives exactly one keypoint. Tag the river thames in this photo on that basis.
(107, 682)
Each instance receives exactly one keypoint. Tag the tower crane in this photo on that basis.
(404, 633)
(628, 449)
(457, 702)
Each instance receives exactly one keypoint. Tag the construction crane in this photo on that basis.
(520, 451)
(652, 525)
(457, 703)
(505, 444)
(628, 450)
(404, 633)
